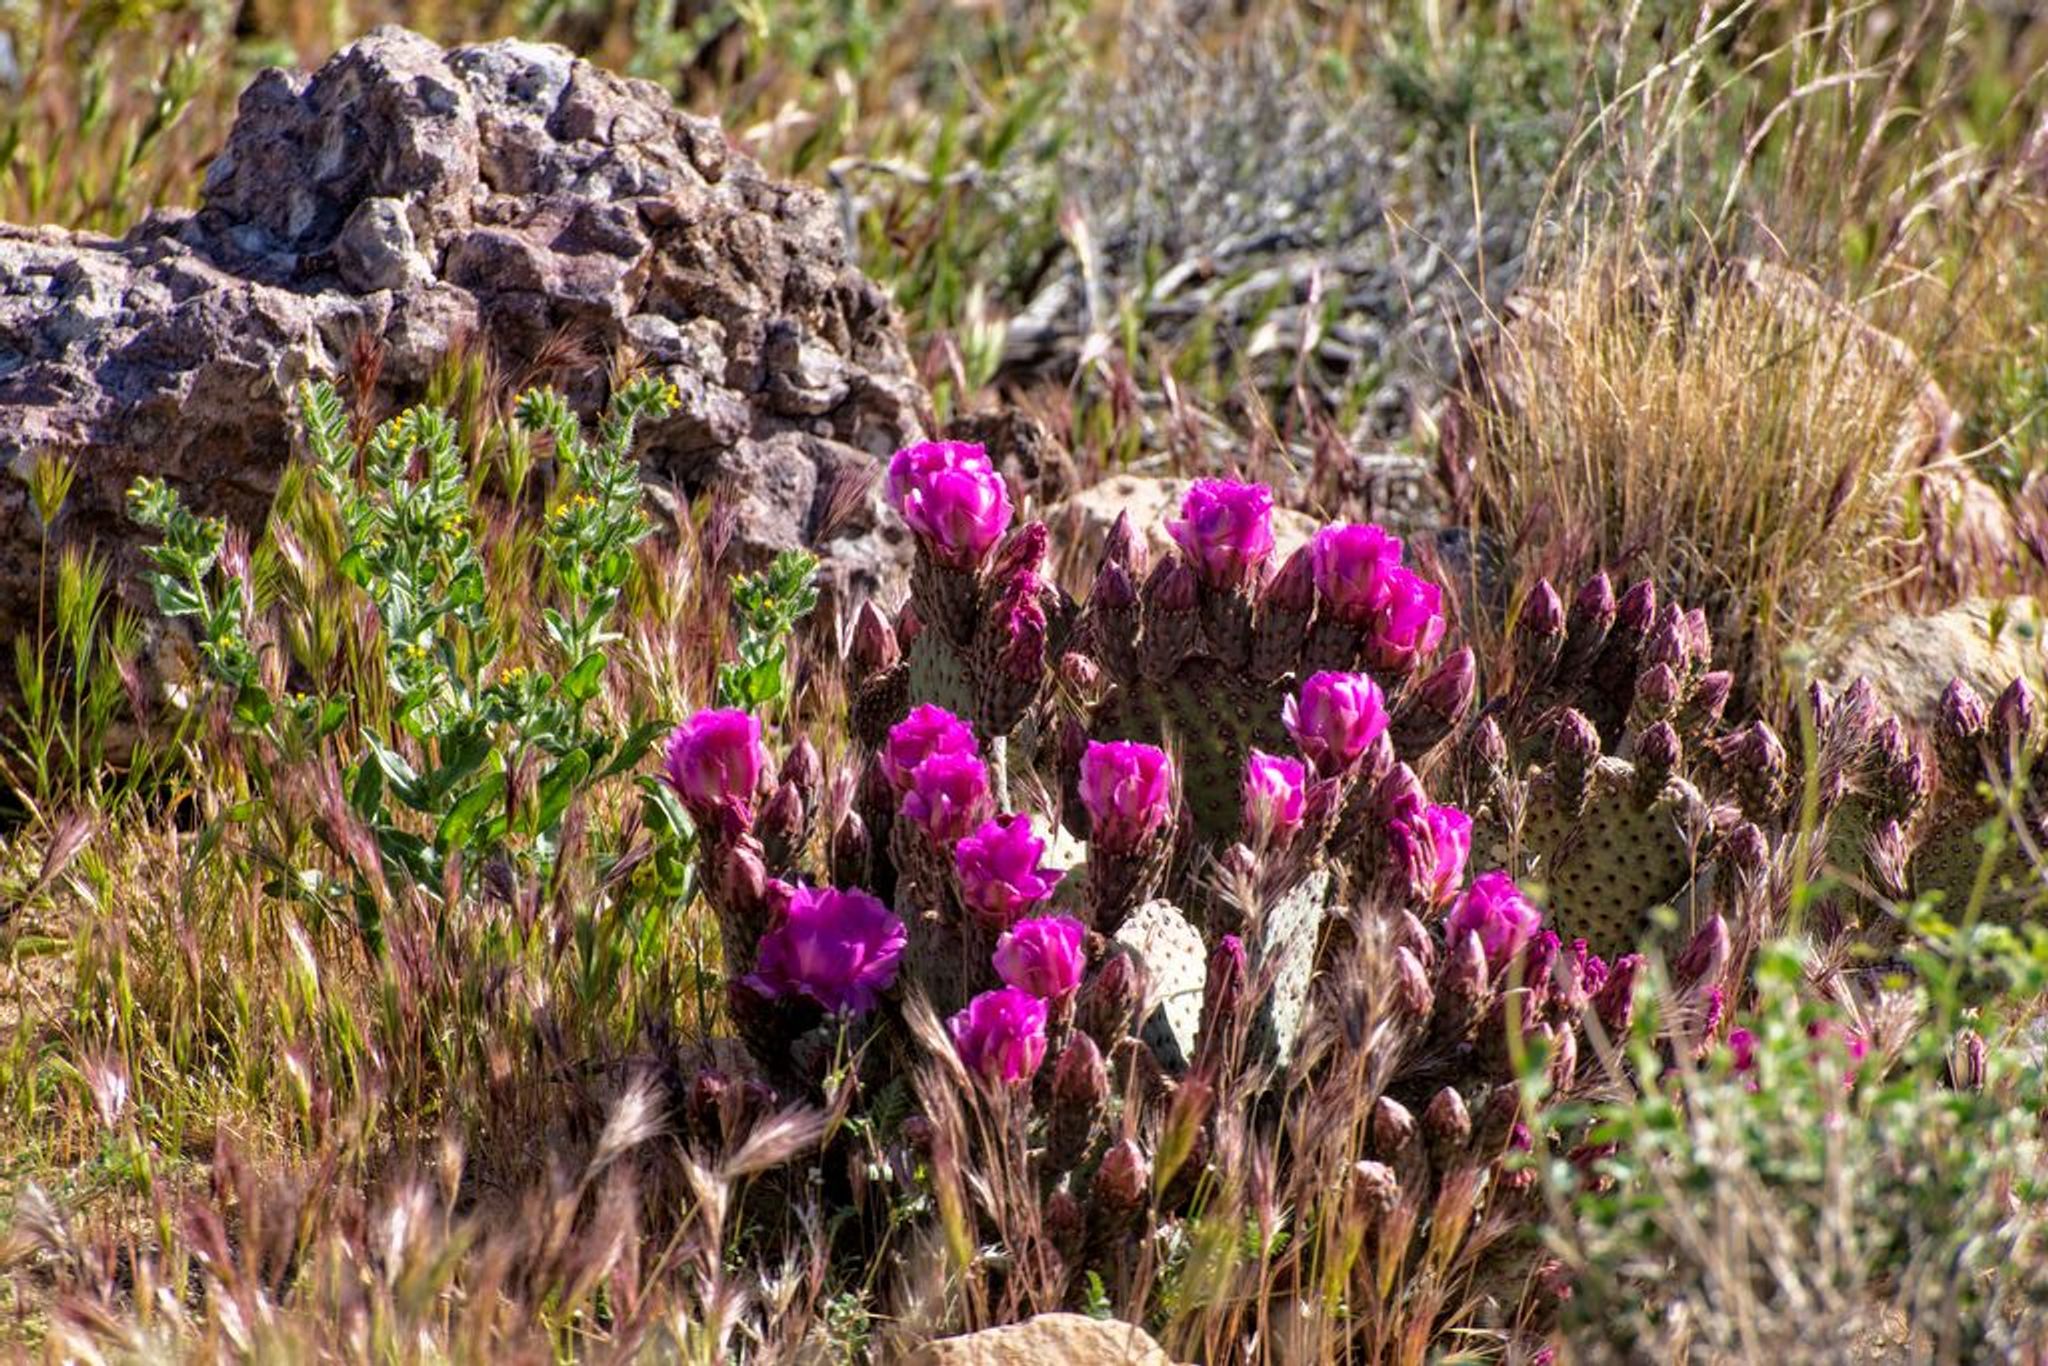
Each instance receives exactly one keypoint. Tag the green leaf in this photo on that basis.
(634, 747)
(557, 787)
(366, 793)
(580, 684)
(461, 819)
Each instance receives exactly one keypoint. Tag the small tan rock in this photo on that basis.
(1910, 659)
(1048, 1340)
(1081, 524)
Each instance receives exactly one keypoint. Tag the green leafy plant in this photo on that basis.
(482, 756)
(767, 605)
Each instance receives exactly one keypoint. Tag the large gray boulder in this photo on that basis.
(507, 195)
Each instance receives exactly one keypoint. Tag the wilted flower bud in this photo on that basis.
(803, 770)
(1537, 958)
(1710, 697)
(948, 796)
(1615, 1002)
(1001, 869)
(1351, 565)
(1043, 956)
(1411, 984)
(837, 948)
(1080, 1080)
(1699, 638)
(1962, 711)
(1121, 1179)
(2012, 717)
(1449, 688)
(1706, 957)
(1636, 613)
(1375, 1191)
(1575, 743)
(1667, 643)
(1335, 719)
(1494, 910)
(1756, 759)
(1466, 970)
(1293, 588)
(1490, 745)
(1593, 612)
(1223, 989)
(1448, 1125)
(1127, 788)
(1543, 613)
(1410, 625)
(1001, 1035)
(714, 764)
(875, 648)
(1747, 848)
(1080, 1092)
(850, 850)
(1274, 798)
(782, 817)
(1657, 754)
(926, 733)
(1081, 676)
(952, 498)
(1226, 531)
(1393, 1129)
(1657, 691)
(1108, 1000)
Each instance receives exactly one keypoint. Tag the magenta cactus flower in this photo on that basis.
(1335, 719)
(1495, 909)
(714, 762)
(1001, 873)
(837, 948)
(1127, 788)
(928, 731)
(1225, 530)
(1275, 797)
(1410, 621)
(1351, 562)
(952, 498)
(1435, 848)
(1043, 956)
(948, 796)
(1001, 1035)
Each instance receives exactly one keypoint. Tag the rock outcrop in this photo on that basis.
(507, 196)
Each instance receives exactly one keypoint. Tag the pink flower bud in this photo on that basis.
(1495, 910)
(952, 498)
(1409, 624)
(948, 796)
(714, 763)
(928, 731)
(1043, 956)
(837, 948)
(1274, 797)
(1434, 848)
(1334, 719)
(1001, 876)
(1225, 530)
(1127, 788)
(1352, 563)
(1001, 1035)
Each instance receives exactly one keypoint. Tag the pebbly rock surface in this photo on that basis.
(507, 195)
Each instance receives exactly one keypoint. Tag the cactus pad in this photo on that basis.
(1176, 965)
(1212, 718)
(1609, 860)
(1293, 924)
